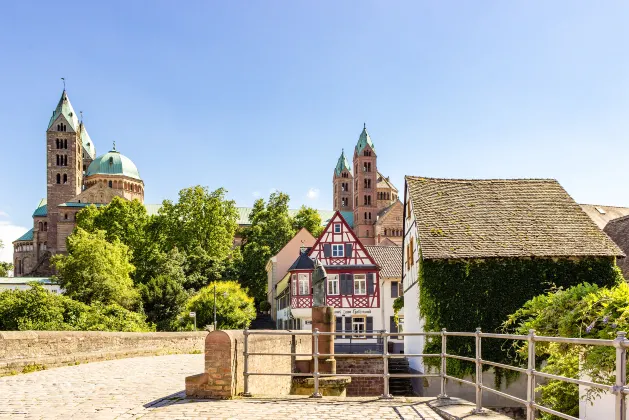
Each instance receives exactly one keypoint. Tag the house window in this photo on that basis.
(358, 326)
(395, 289)
(304, 284)
(337, 250)
(294, 281)
(360, 284)
(337, 228)
(333, 284)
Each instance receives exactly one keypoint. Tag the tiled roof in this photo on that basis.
(618, 231)
(28, 236)
(604, 214)
(303, 262)
(389, 258)
(65, 107)
(459, 218)
(383, 182)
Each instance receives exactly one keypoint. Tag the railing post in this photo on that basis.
(385, 364)
(443, 394)
(315, 358)
(246, 354)
(530, 376)
(479, 374)
(621, 375)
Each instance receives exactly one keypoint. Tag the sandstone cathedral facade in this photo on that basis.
(75, 178)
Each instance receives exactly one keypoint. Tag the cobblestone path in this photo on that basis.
(152, 388)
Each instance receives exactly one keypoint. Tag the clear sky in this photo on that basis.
(261, 95)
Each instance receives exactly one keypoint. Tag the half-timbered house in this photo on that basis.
(353, 287)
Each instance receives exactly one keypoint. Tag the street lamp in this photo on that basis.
(224, 295)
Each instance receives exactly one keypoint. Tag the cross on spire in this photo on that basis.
(114, 145)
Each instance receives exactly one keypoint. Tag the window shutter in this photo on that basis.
(346, 284)
(348, 325)
(395, 289)
(369, 324)
(371, 286)
(327, 250)
(392, 325)
(339, 325)
(348, 250)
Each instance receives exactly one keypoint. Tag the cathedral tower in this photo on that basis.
(343, 184)
(64, 158)
(365, 188)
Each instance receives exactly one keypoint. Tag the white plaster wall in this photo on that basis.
(601, 408)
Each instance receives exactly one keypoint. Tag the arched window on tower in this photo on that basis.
(65, 178)
(41, 226)
(65, 142)
(65, 160)
(58, 179)
(45, 226)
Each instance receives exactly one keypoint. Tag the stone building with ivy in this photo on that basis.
(475, 251)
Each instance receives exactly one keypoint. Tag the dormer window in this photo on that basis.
(111, 160)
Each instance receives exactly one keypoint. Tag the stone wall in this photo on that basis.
(60, 348)
(224, 364)
(361, 386)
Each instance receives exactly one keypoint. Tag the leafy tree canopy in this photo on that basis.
(234, 308)
(308, 218)
(585, 310)
(38, 309)
(96, 270)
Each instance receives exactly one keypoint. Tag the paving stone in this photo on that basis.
(152, 388)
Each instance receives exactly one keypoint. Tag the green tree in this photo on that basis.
(271, 228)
(4, 266)
(201, 225)
(587, 311)
(163, 296)
(96, 270)
(234, 308)
(39, 309)
(308, 218)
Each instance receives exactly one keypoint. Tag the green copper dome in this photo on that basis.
(342, 164)
(113, 163)
(363, 141)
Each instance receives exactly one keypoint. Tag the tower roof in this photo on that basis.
(65, 107)
(363, 141)
(87, 142)
(113, 163)
(342, 164)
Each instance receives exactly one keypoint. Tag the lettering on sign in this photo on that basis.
(193, 314)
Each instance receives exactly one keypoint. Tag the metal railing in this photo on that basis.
(619, 389)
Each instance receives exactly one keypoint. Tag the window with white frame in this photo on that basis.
(360, 284)
(358, 326)
(337, 228)
(304, 284)
(333, 284)
(337, 250)
(294, 281)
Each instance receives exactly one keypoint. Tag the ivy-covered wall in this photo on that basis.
(461, 295)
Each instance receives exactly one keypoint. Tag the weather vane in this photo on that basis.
(114, 145)
(64, 83)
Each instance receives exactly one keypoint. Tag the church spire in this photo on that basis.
(64, 107)
(364, 140)
(342, 164)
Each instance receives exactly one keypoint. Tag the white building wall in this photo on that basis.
(603, 407)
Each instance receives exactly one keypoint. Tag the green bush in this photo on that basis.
(39, 309)
(265, 306)
(584, 310)
(234, 308)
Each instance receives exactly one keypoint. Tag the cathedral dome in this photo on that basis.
(113, 163)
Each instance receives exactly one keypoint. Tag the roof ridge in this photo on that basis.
(414, 177)
(603, 205)
(618, 219)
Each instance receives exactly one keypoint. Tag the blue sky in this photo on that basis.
(254, 96)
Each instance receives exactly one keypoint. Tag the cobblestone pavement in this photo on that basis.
(152, 388)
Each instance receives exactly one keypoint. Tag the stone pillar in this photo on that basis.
(323, 319)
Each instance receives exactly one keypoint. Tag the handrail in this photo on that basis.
(619, 389)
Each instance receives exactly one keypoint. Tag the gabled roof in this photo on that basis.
(42, 208)
(383, 182)
(464, 218)
(303, 262)
(342, 164)
(388, 258)
(64, 107)
(618, 231)
(363, 141)
(604, 214)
